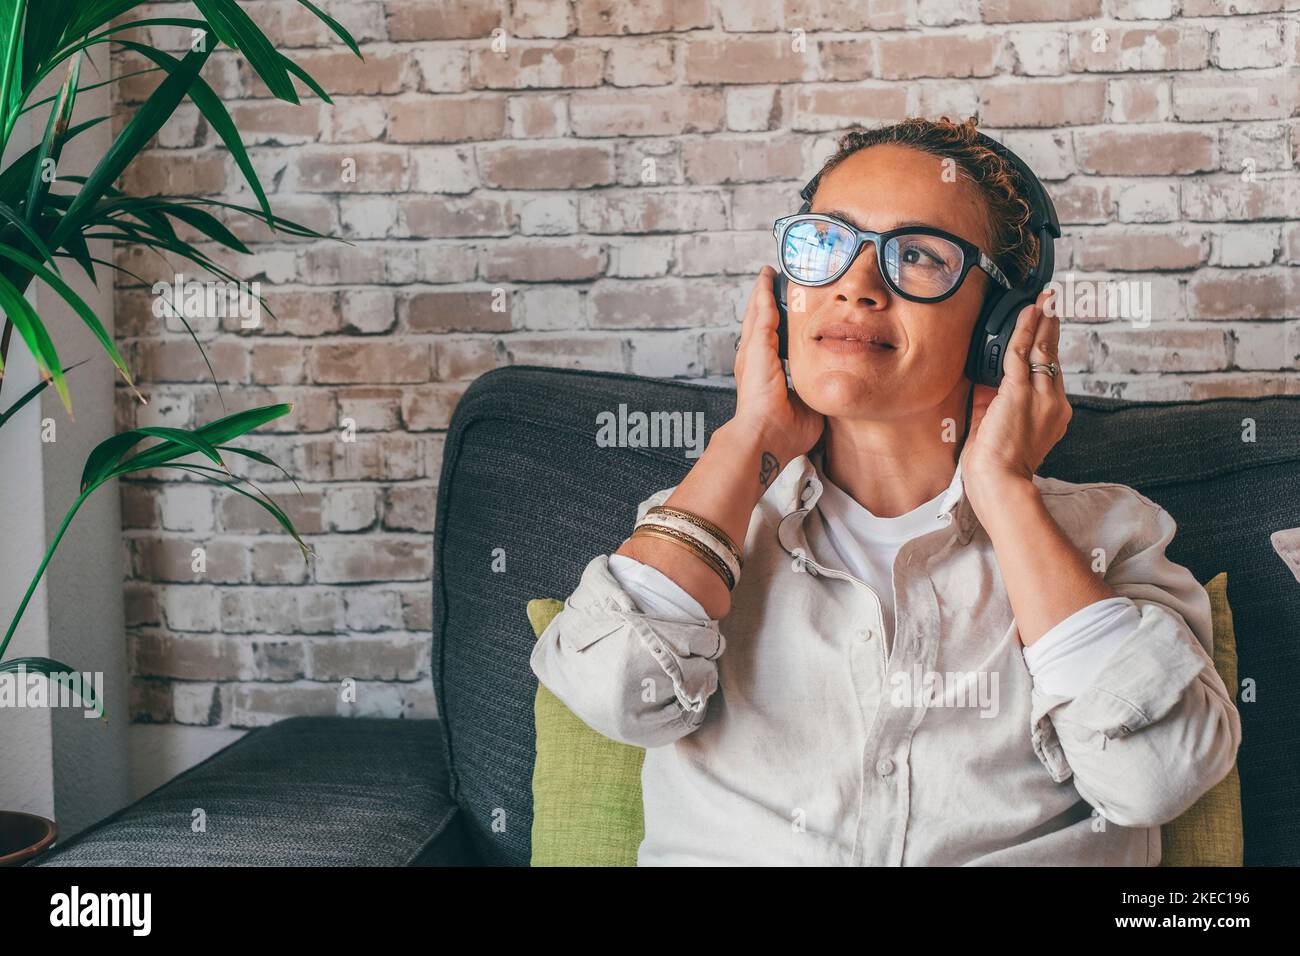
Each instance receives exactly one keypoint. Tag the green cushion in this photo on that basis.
(1209, 831)
(586, 788)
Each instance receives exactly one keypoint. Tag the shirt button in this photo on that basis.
(868, 634)
(885, 767)
(656, 648)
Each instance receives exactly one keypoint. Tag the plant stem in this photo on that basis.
(31, 588)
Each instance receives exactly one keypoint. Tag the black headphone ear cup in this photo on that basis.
(995, 336)
(781, 291)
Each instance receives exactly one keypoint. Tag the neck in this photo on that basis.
(893, 466)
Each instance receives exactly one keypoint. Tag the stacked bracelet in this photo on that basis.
(701, 537)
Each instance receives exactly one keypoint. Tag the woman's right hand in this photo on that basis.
(763, 402)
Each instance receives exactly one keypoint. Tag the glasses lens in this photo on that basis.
(813, 249)
(923, 266)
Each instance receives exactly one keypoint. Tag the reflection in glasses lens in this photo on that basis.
(917, 264)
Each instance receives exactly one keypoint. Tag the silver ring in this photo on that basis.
(737, 343)
(1050, 368)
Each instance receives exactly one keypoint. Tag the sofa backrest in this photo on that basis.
(526, 488)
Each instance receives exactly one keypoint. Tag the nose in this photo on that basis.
(863, 281)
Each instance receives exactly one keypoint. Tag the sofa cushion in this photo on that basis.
(1208, 833)
(587, 808)
(307, 791)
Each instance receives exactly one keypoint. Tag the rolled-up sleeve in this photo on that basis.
(1156, 727)
(638, 678)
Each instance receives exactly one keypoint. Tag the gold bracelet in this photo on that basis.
(691, 545)
(705, 524)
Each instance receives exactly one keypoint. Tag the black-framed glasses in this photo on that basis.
(920, 263)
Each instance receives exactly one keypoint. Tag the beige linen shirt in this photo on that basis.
(793, 732)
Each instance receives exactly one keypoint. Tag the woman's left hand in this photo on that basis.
(1015, 425)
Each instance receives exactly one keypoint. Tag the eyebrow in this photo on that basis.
(841, 214)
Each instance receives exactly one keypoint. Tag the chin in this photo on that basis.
(840, 393)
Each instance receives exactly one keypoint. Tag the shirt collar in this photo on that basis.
(799, 486)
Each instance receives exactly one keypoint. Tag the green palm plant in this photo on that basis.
(47, 220)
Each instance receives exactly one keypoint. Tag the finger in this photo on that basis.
(747, 323)
(1016, 365)
(1046, 347)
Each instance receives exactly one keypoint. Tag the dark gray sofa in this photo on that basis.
(522, 472)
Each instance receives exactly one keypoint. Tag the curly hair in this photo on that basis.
(1015, 248)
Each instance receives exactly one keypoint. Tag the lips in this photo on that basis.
(850, 333)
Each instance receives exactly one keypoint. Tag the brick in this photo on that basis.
(1133, 250)
(1027, 11)
(726, 160)
(546, 167)
(410, 507)
(1161, 349)
(539, 18)
(615, 17)
(558, 307)
(1097, 49)
(1040, 52)
(1249, 44)
(949, 55)
(370, 610)
(1242, 294)
(442, 217)
(1206, 97)
(377, 659)
(724, 253)
(834, 107)
(548, 215)
(369, 362)
(752, 108)
(442, 68)
(658, 305)
(271, 610)
(1144, 100)
(238, 514)
(367, 217)
(744, 59)
(843, 60)
(1267, 346)
(1077, 102)
(523, 67)
(1229, 198)
(429, 407)
(381, 559)
(445, 20)
(1148, 202)
(601, 354)
(1123, 152)
(446, 119)
(167, 173)
(638, 62)
(1244, 246)
(812, 15)
(537, 116)
(649, 112)
(387, 457)
(642, 211)
(543, 260)
(455, 310)
(348, 168)
(352, 509)
(369, 409)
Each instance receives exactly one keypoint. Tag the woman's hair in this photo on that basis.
(1015, 248)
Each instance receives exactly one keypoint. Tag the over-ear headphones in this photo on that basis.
(997, 318)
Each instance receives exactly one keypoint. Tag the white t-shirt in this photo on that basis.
(1063, 661)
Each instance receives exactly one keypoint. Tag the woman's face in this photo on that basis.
(880, 188)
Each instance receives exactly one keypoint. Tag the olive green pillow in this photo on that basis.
(1209, 831)
(586, 788)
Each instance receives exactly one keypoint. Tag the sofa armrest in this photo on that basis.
(307, 791)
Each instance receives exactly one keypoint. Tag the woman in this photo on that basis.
(933, 655)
